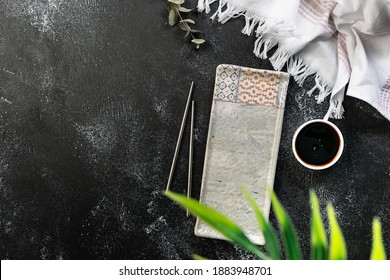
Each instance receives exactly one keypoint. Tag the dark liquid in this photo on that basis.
(317, 143)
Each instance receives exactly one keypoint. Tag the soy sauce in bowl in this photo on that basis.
(317, 144)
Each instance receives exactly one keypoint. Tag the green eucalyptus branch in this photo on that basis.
(175, 15)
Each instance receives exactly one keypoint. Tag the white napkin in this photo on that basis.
(340, 41)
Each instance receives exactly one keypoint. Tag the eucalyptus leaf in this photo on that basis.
(186, 36)
(378, 250)
(188, 20)
(337, 247)
(172, 17)
(319, 243)
(184, 10)
(271, 241)
(184, 26)
(288, 230)
(219, 222)
(178, 2)
(198, 41)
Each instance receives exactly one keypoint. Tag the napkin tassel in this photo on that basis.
(262, 46)
(299, 69)
(204, 5)
(279, 58)
(260, 23)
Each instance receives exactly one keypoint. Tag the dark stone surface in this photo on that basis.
(92, 95)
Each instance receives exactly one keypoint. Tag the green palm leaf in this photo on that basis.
(288, 230)
(378, 250)
(219, 222)
(199, 258)
(271, 241)
(319, 243)
(337, 249)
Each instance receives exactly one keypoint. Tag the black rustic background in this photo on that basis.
(91, 98)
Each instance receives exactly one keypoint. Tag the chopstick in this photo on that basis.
(178, 143)
(190, 155)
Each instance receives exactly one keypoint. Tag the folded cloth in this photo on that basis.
(339, 41)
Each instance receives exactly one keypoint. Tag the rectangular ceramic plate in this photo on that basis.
(242, 145)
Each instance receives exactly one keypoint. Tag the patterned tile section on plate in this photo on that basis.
(226, 82)
(259, 87)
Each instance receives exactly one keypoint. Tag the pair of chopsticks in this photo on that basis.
(178, 143)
